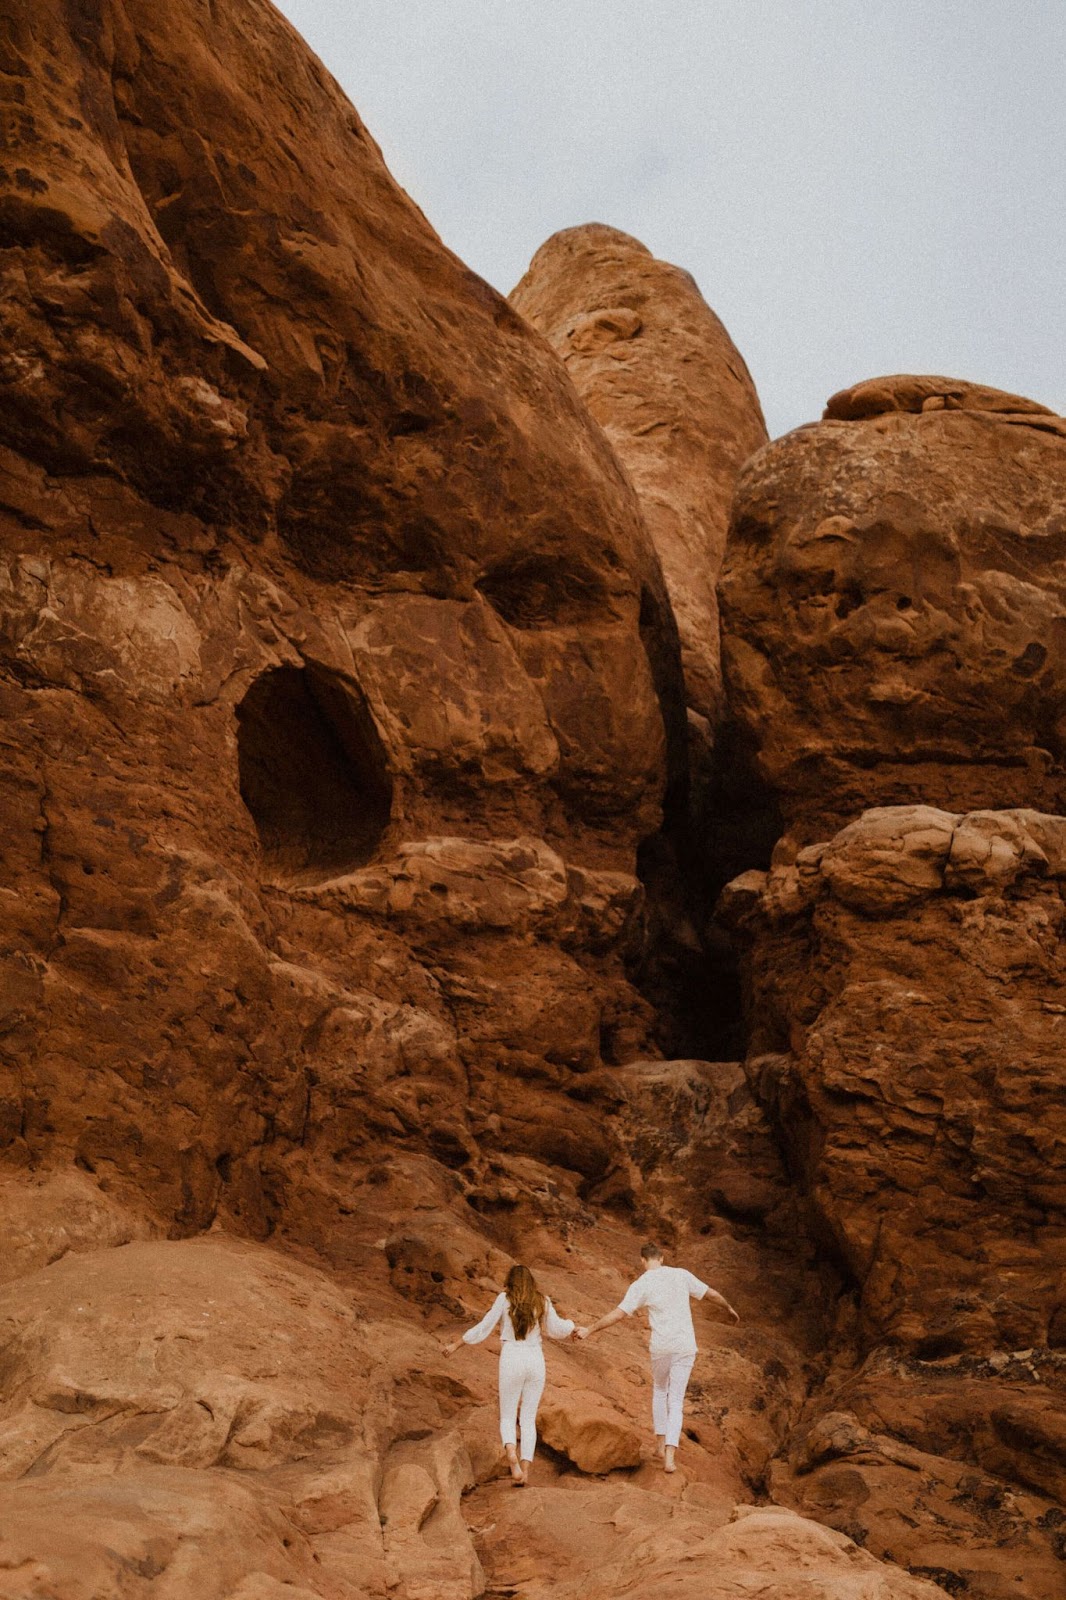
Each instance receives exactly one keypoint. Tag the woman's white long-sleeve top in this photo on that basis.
(555, 1326)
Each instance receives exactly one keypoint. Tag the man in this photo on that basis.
(664, 1292)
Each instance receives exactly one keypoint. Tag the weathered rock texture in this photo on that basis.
(906, 984)
(951, 1468)
(907, 987)
(894, 605)
(214, 1417)
(338, 676)
(336, 650)
(341, 691)
(662, 377)
(762, 1550)
(195, 1417)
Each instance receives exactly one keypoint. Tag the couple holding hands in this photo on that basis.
(524, 1313)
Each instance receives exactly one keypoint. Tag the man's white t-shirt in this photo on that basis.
(664, 1292)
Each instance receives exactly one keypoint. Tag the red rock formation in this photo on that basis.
(662, 377)
(944, 1517)
(194, 1418)
(895, 604)
(780, 1552)
(905, 987)
(210, 1416)
(658, 371)
(893, 600)
(906, 1032)
(335, 665)
(338, 676)
(322, 628)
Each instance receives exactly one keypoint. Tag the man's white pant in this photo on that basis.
(521, 1386)
(669, 1376)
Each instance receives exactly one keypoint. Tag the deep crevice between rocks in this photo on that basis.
(737, 826)
(741, 821)
(692, 973)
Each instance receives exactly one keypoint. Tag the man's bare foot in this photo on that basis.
(668, 1459)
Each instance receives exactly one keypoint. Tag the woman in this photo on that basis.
(524, 1312)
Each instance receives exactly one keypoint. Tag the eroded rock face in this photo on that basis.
(660, 374)
(952, 1467)
(905, 982)
(259, 330)
(662, 377)
(341, 671)
(894, 605)
(324, 616)
(200, 1417)
(342, 690)
(214, 1416)
(905, 979)
(680, 1553)
(49, 1215)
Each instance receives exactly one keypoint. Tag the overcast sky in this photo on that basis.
(858, 186)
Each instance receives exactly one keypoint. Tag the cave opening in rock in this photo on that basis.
(312, 773)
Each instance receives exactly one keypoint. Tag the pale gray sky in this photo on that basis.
(858, 186)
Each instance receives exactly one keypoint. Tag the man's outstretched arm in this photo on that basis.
(720, 1299)
(605, 1322)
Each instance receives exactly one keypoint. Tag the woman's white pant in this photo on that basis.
(521, 1386)
(669, 1376)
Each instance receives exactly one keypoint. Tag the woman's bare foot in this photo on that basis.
(515, 1465)
(668, 1459)
(527, 1467)
(660, 1444)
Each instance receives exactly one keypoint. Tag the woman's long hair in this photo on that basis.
(524, 1300)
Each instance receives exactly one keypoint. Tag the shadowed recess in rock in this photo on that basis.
(543, 591)
(312, 773)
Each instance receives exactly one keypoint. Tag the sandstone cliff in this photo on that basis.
(905, 985)
(338, 653)
(342, 696)
(894, 600)
(341, 688)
